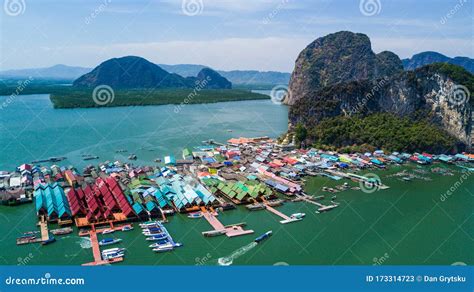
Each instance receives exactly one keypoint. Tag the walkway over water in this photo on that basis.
(230, 231)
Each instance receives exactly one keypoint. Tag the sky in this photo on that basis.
(264, 35)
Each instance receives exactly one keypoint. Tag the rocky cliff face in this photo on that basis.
(340, 57)
(426, 93)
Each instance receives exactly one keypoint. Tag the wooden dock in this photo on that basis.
(44, 229)
(98, 261)
(276, 212)
(230, 230)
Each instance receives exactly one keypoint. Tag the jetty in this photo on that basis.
(98, 261)
(219, 228)
(44, 229)
(321, 207)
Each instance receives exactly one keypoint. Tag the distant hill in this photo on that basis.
(55, 72)
(237, 77)
(132, 72)
(426, 58)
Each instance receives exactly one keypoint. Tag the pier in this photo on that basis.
(219, 228)
(44, 229)
(98, 261)
(310, 199)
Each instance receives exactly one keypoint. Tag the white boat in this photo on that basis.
(108, 231)
(109, 241)
(110, 256)
(164, 248)
(195, 215)
(127, 228)
(298, 215)
(293, 218)
(149, 223)
(157, 237)
(113, 250)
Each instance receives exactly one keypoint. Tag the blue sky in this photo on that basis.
(239, 34)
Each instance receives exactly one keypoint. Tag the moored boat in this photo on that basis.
(107, 231)
(195, 215)
(255, 206)
(127, 228)
(109, 241)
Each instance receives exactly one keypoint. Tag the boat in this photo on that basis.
(157, 237)
(149, 223)
(263, 236)
(48, 241)
(255, 206)
(275, 203)
(297, 215)
(108, 231)
(92, 157)
(109, 241)
(62, 231)
(164, 248)
(113, 255)
(113, 250)
(127, 228)
(195, 215)
(132, 157)
(120, 150)
(213, 233)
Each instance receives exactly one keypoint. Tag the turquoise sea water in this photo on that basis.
(406, 224)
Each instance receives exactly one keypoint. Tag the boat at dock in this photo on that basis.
(263, 236)
(112, 255)
(108, 231)
(275, 203)
(127, 228)
(327, 208)
(195, 215)
(48, 241)
(62, 231)
(213, 233)
(113, 250)
(109, 241)
(157, 237)
(293, 217)
(256, 206)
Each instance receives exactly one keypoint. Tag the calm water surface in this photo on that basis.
(406, 224)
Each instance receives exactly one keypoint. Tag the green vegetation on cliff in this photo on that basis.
(380, 130)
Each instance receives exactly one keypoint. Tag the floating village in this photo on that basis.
(259, 173)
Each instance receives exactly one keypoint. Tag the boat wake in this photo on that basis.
(85, 242)
(228, 260)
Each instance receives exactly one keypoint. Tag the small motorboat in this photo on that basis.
(62, 231)
(112, 255)
(297, 215)
(164, 248)
(263, 236)
(113, 250)
(195, 215)
(109, 241)
(213, 233)
(255, 206)
(132, 157)
(127, 228)
(108, 231)
(48, 241)
(157, 237)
